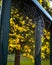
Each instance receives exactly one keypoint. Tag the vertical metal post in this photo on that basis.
(38, 35)
(38, 59)
(4, 31)
(0, 36)
(37, 51)
(0, 14)
(51, 46)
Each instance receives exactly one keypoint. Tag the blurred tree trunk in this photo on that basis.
(17, 58)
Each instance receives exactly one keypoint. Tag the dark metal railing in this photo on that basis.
(30, 9)
(4, 31)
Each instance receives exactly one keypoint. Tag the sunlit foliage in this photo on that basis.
(22, 34)
(46, 5)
